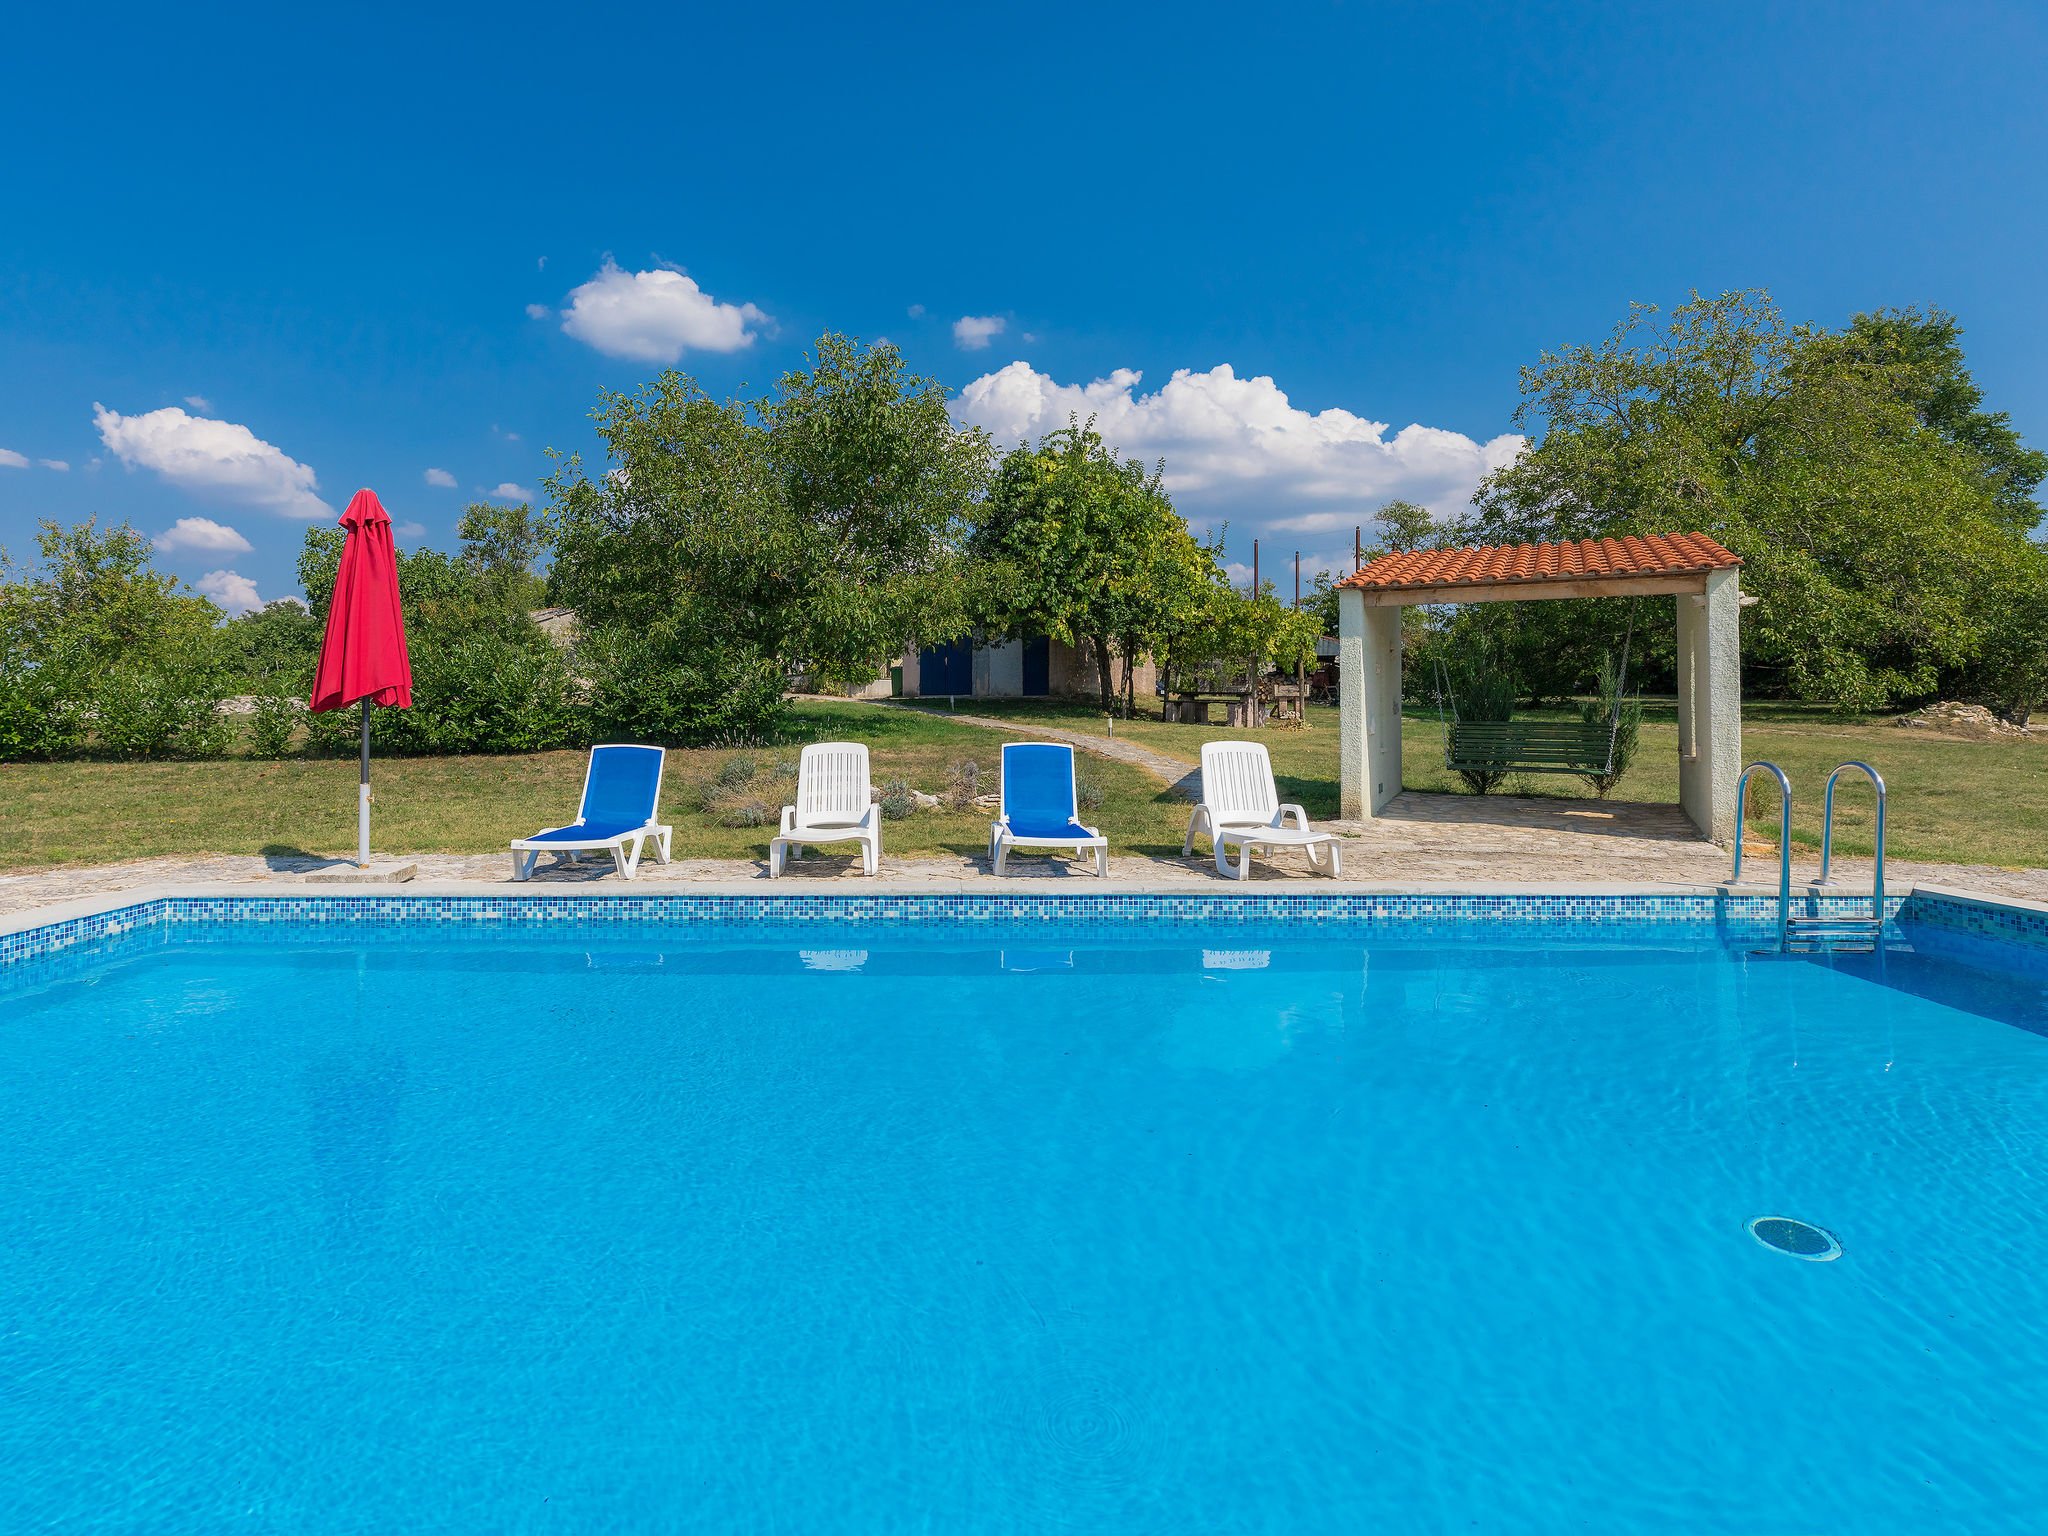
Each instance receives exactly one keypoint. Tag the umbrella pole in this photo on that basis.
(363, 798)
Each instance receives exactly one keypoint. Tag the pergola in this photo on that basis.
(1703, 575)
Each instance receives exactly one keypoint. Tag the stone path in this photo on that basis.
(1184, 779)
(1423, 840)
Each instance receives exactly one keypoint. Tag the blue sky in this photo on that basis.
(317, 236)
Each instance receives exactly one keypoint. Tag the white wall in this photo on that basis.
(1710, 704)
(1369, 705)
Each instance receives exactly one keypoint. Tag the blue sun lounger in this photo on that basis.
(621, 794)
(1039, 808)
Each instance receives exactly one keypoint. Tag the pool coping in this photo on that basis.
(103, 903)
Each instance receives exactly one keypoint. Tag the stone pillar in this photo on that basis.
(1710, 704)
(1369, 705)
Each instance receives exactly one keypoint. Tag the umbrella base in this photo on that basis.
(376, 874)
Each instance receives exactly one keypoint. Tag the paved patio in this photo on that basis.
(1424, 841)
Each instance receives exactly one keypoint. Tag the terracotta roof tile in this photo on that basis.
(1673, 554)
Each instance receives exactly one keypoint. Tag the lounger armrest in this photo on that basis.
(788, 820)
(1300, 817)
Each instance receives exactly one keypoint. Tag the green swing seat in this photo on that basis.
(1529, 746)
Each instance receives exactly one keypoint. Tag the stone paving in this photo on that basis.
(1423, 841)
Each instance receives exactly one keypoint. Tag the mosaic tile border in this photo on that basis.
(1748, 915)
(1985, 919)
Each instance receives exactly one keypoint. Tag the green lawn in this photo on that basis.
(97, 813)
(1949, 801)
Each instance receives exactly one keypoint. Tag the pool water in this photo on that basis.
(976, 1229)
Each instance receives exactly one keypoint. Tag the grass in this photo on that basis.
(1949, 801)
(99, 813)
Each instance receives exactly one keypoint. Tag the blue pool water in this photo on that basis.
(932, 1229)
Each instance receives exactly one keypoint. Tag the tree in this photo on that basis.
(504, 544)
(1085, 547)
(817, 530)
(1867, 534)
(1923, 353)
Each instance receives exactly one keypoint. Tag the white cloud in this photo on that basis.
(57, 464)
(538, 311)
(217, 458)
(508, 492)
(652, 317)
(971, 333)
(234, 594)
(202, 533)
(442, 478)
(543, 265)
(9, 459)
(1237, 450)
(409, 530)
(916, 311)
(199, 402)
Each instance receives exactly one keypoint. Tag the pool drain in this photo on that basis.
(1801, 1239)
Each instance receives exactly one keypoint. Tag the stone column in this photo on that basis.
(1369, 705)
(1710, 704)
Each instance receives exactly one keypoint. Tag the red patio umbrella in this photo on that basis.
(362, 659)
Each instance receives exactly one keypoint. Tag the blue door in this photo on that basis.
(1037, 668)
(944, 669)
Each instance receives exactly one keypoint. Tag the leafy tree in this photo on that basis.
(100, 645)
(1922, 351)
(1867, 534)
(817, 530)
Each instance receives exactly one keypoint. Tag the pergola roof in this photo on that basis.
(1676, 562)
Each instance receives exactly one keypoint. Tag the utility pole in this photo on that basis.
(1297, 578)
(1255, 569)
(1357, 546)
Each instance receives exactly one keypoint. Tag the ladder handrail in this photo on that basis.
(1784, 840)
(1827, 833)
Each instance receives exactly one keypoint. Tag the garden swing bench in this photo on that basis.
(1532, 746)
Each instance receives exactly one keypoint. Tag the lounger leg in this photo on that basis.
(775, 852)
(1195, 819)
(522, 864)
(1002, 853)
(1336, 862)
(661, 848)
(1222, 858)
(1102, 863)
(619, 861)
(1244, 859)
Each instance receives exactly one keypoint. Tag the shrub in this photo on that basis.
(276, 719)
(40, 713)
(481, 693)
(897, 800)
(963, 783)
(162, 705)
(1088, 795)
(1599, 711)
(736, 770)
(657, 688)
(1483, 687)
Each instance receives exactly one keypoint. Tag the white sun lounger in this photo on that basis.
(1241, 805)
(833, 805)
(621, 797)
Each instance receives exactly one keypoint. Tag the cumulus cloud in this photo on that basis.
(971, 333)
(442, 478)
(508, 492)
(60, 465)
(916, 311)
(202, 533)
(653, 317)
(199, 402)
(538, 311)
(9, 459)
(1237, 449)
(234, 594)
(409, 530)
(212, 458)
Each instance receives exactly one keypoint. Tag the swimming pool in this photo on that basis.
(877, 1226)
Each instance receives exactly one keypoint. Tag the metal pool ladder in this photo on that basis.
(1820, 933)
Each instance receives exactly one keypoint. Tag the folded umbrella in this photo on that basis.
(362, 658)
